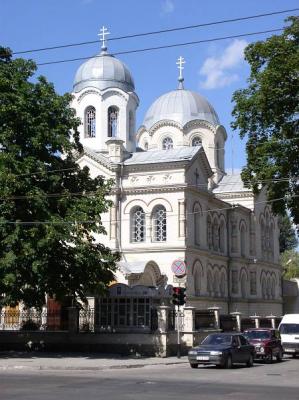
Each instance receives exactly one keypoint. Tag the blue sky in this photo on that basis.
(214, 69)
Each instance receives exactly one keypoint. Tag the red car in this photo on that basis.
(267, 343)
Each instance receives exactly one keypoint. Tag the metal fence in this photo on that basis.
(86, 320)
(33, 320)
(204, 319)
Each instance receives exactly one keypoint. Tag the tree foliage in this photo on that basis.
(287, 236)
(290, 264)
(266, 112)
(50, 209)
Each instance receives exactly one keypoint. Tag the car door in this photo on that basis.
(245, 348)
(237, 356)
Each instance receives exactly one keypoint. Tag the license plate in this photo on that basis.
(202, 358)
(290, 350)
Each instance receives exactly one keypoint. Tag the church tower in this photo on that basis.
(105, 101)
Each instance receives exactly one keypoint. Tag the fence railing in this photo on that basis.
(33, 320)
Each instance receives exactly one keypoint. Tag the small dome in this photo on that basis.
(181, 106)
(103, 71)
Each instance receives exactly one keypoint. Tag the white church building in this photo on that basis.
(173, 198)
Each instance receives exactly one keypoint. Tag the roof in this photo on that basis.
(181, 106)
(103, 71)
(231, 183)
(162, 156)
(136, 267)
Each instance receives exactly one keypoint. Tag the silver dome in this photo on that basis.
(181, 106)
(102, 72)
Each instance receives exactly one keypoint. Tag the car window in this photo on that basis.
(235, 341)
(257, 335)
(243, 341)
(289, 329)
(217, 340)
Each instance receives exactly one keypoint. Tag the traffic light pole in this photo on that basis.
(179, 333)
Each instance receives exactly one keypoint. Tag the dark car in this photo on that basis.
(267, 343)
(223, 350)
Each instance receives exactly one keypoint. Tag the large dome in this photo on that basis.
(103, 72)
(181, 106)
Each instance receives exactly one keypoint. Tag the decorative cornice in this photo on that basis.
(164, 122)
(87, 92)
(109, 93)
(199, 123)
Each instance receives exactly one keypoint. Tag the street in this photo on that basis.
(263, 381)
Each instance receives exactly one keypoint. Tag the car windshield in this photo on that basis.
(258, 335)
(218, 340)
(289, 329)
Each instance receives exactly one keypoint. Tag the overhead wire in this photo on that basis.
(142, 50)
(134, 35)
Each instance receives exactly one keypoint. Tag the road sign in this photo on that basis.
(180, 279)
(178, 267)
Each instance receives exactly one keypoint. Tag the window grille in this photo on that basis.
(113, 121)
(138, 225)
(160, 224)
(167, 143)
(90, 122)
(196, 141)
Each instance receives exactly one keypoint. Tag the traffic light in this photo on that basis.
(182, 296)
(178, 296)
(175, 295)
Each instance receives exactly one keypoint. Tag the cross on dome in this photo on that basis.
(103, 33)
(180, 63)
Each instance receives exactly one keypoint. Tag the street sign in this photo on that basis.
(178, 267)
(180, 279)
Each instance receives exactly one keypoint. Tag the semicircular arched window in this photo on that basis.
(113, 113)
(159, 224)
(90, 122)
(137, 225)
(196, 141)
(167, 143)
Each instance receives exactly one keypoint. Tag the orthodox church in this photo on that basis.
(173, 199)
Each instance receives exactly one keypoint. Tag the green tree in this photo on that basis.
(50, 209)
(266, 112)
(287, 236)
(290, 264)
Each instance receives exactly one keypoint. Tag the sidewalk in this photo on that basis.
(78, 361)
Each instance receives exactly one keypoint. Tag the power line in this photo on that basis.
(164, 47)
(160, 31)
(233, 206)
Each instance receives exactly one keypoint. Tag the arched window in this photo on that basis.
(137, 225)
(218, 155)
(215, 233)
(264, 288)
(222, 285)
(243, 286)
(159, 224)
(222, 237)
(113, 113)
(197, 278)
(90, 122)
(209, 232)
(273, 286)
(167, 143)
(209, 283)
(196, 219)
(131, 125)
(196, 141)
(216, 283)
(243, 240)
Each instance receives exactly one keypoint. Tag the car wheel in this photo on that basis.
(279, 356)
(228, 362)
(193, 365)
(269, 357)
(250, 361)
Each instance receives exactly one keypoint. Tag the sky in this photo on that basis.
(214, 69)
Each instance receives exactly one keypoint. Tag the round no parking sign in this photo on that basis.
(178, 267)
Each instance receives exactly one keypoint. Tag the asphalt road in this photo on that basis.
(263, 381)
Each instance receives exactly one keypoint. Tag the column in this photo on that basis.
(216, 311)
(189, 319)
(182, 218)
(113, 219)
(256, 319)
(272, 318)
(237, 314)
(163, 316)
